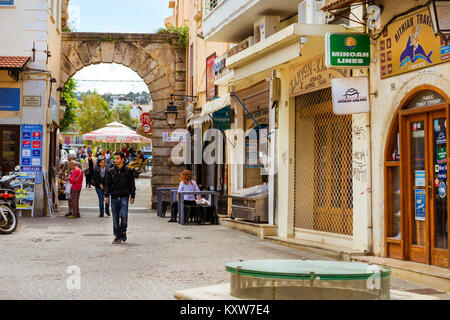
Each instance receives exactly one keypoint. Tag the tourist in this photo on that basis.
(99, 184)
(88, 169)
(76, 181)
(186, 184)
(119, 184)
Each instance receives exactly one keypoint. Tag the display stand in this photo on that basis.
(24, 187)
(46, 186)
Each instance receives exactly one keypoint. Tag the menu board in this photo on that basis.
(31, 150)
(24, 186)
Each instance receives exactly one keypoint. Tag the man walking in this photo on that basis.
(119, 184)
(89, 165)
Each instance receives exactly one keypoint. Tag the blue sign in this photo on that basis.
(9, 99)
(420, 178)
(442, 189)
(419, 200)
(442, 171)
(32, 161)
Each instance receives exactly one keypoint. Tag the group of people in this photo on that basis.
(115, 187)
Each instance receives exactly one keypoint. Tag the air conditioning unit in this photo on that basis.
(265, 27)
(309, 12)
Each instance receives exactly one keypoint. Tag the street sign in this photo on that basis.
(350, 95)
(347, 50)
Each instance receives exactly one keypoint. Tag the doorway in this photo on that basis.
(424, 169)
(9, 147)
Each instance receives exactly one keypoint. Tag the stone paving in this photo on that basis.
(158, 259)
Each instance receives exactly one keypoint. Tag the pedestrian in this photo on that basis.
(88, 169)
(76, 180)
(186, 184)
(119, 184)
(84, 153)
(125, 150)
(99, 184)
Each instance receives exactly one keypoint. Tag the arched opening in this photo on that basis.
(111, 93)
(416, 188)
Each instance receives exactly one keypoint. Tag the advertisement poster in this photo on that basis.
(409, 44)
(174, 136)
(210, 78)
(420, 178)
(419, 200)
(24, 186)
(31, 150)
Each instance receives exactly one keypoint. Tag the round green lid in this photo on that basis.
(306, 269)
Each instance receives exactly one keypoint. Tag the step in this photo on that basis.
(328, 250)
(428, 275)
(261, 230)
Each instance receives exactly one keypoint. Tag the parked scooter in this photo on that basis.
(8, 215)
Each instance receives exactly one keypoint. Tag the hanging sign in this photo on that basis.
(410, 44)
(222, 118)
(350, 95)
(31, 150)
(419, 200)
(344, 50)
(146, 122)
(312, 75)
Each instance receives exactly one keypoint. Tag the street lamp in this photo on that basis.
(171, 114)
(440, 15)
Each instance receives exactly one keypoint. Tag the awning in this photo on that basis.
(14, 64)
(215, 105)
(199, 120)
(340, 4)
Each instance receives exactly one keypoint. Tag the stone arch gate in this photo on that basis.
(158, 60)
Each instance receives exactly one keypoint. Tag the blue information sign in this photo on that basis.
(9, 99)
(31, 139)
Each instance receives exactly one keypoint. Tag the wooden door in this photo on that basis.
(9, 147)
(426, 184)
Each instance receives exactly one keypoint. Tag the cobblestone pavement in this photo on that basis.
(158, 259)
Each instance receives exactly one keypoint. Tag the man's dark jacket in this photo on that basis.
(120, 183)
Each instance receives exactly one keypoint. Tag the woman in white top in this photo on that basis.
(186, 184)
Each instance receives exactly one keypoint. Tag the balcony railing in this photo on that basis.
(210, 5)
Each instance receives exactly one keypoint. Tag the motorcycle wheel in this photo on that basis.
(10, 225)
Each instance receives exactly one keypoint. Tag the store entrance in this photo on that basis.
(425, 171)
(9, 147)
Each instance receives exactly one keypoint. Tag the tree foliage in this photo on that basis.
(72, 104)
(125, 118)
(94, 113)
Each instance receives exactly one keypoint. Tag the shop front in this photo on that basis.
(416, 179)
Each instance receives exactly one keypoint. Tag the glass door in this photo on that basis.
(426, 179)
(418, 187)
(438, 204)
(9, 148)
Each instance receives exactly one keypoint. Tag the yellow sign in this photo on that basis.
(312, 75)
(409, 44)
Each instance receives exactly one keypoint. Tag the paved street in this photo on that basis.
(158, 259)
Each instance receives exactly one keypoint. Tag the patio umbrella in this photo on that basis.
(116, 132)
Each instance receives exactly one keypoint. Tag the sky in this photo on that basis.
(135, 16)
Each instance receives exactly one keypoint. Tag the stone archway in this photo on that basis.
(158, 60)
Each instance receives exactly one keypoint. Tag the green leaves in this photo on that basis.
(182, 31)
(69, 95)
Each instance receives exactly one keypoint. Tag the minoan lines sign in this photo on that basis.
(347, 50)
(409, 44)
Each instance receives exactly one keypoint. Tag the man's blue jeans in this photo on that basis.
(119, 209)
(101, 201)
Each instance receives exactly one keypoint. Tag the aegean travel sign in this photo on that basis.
(350, 95)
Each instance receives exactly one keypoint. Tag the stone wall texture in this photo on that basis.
(159, 62)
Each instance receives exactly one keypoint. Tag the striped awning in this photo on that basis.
(216, 104)
(199, 120)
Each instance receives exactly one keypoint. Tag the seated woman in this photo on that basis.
(186, 184)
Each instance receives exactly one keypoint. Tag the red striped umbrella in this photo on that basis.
(116, 132)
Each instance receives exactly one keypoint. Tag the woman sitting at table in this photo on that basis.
(186, 184)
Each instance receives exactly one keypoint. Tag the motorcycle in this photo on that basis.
(8, 215)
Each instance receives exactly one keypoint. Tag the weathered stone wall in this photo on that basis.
(159, 62)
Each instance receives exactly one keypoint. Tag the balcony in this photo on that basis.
(232, 20)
